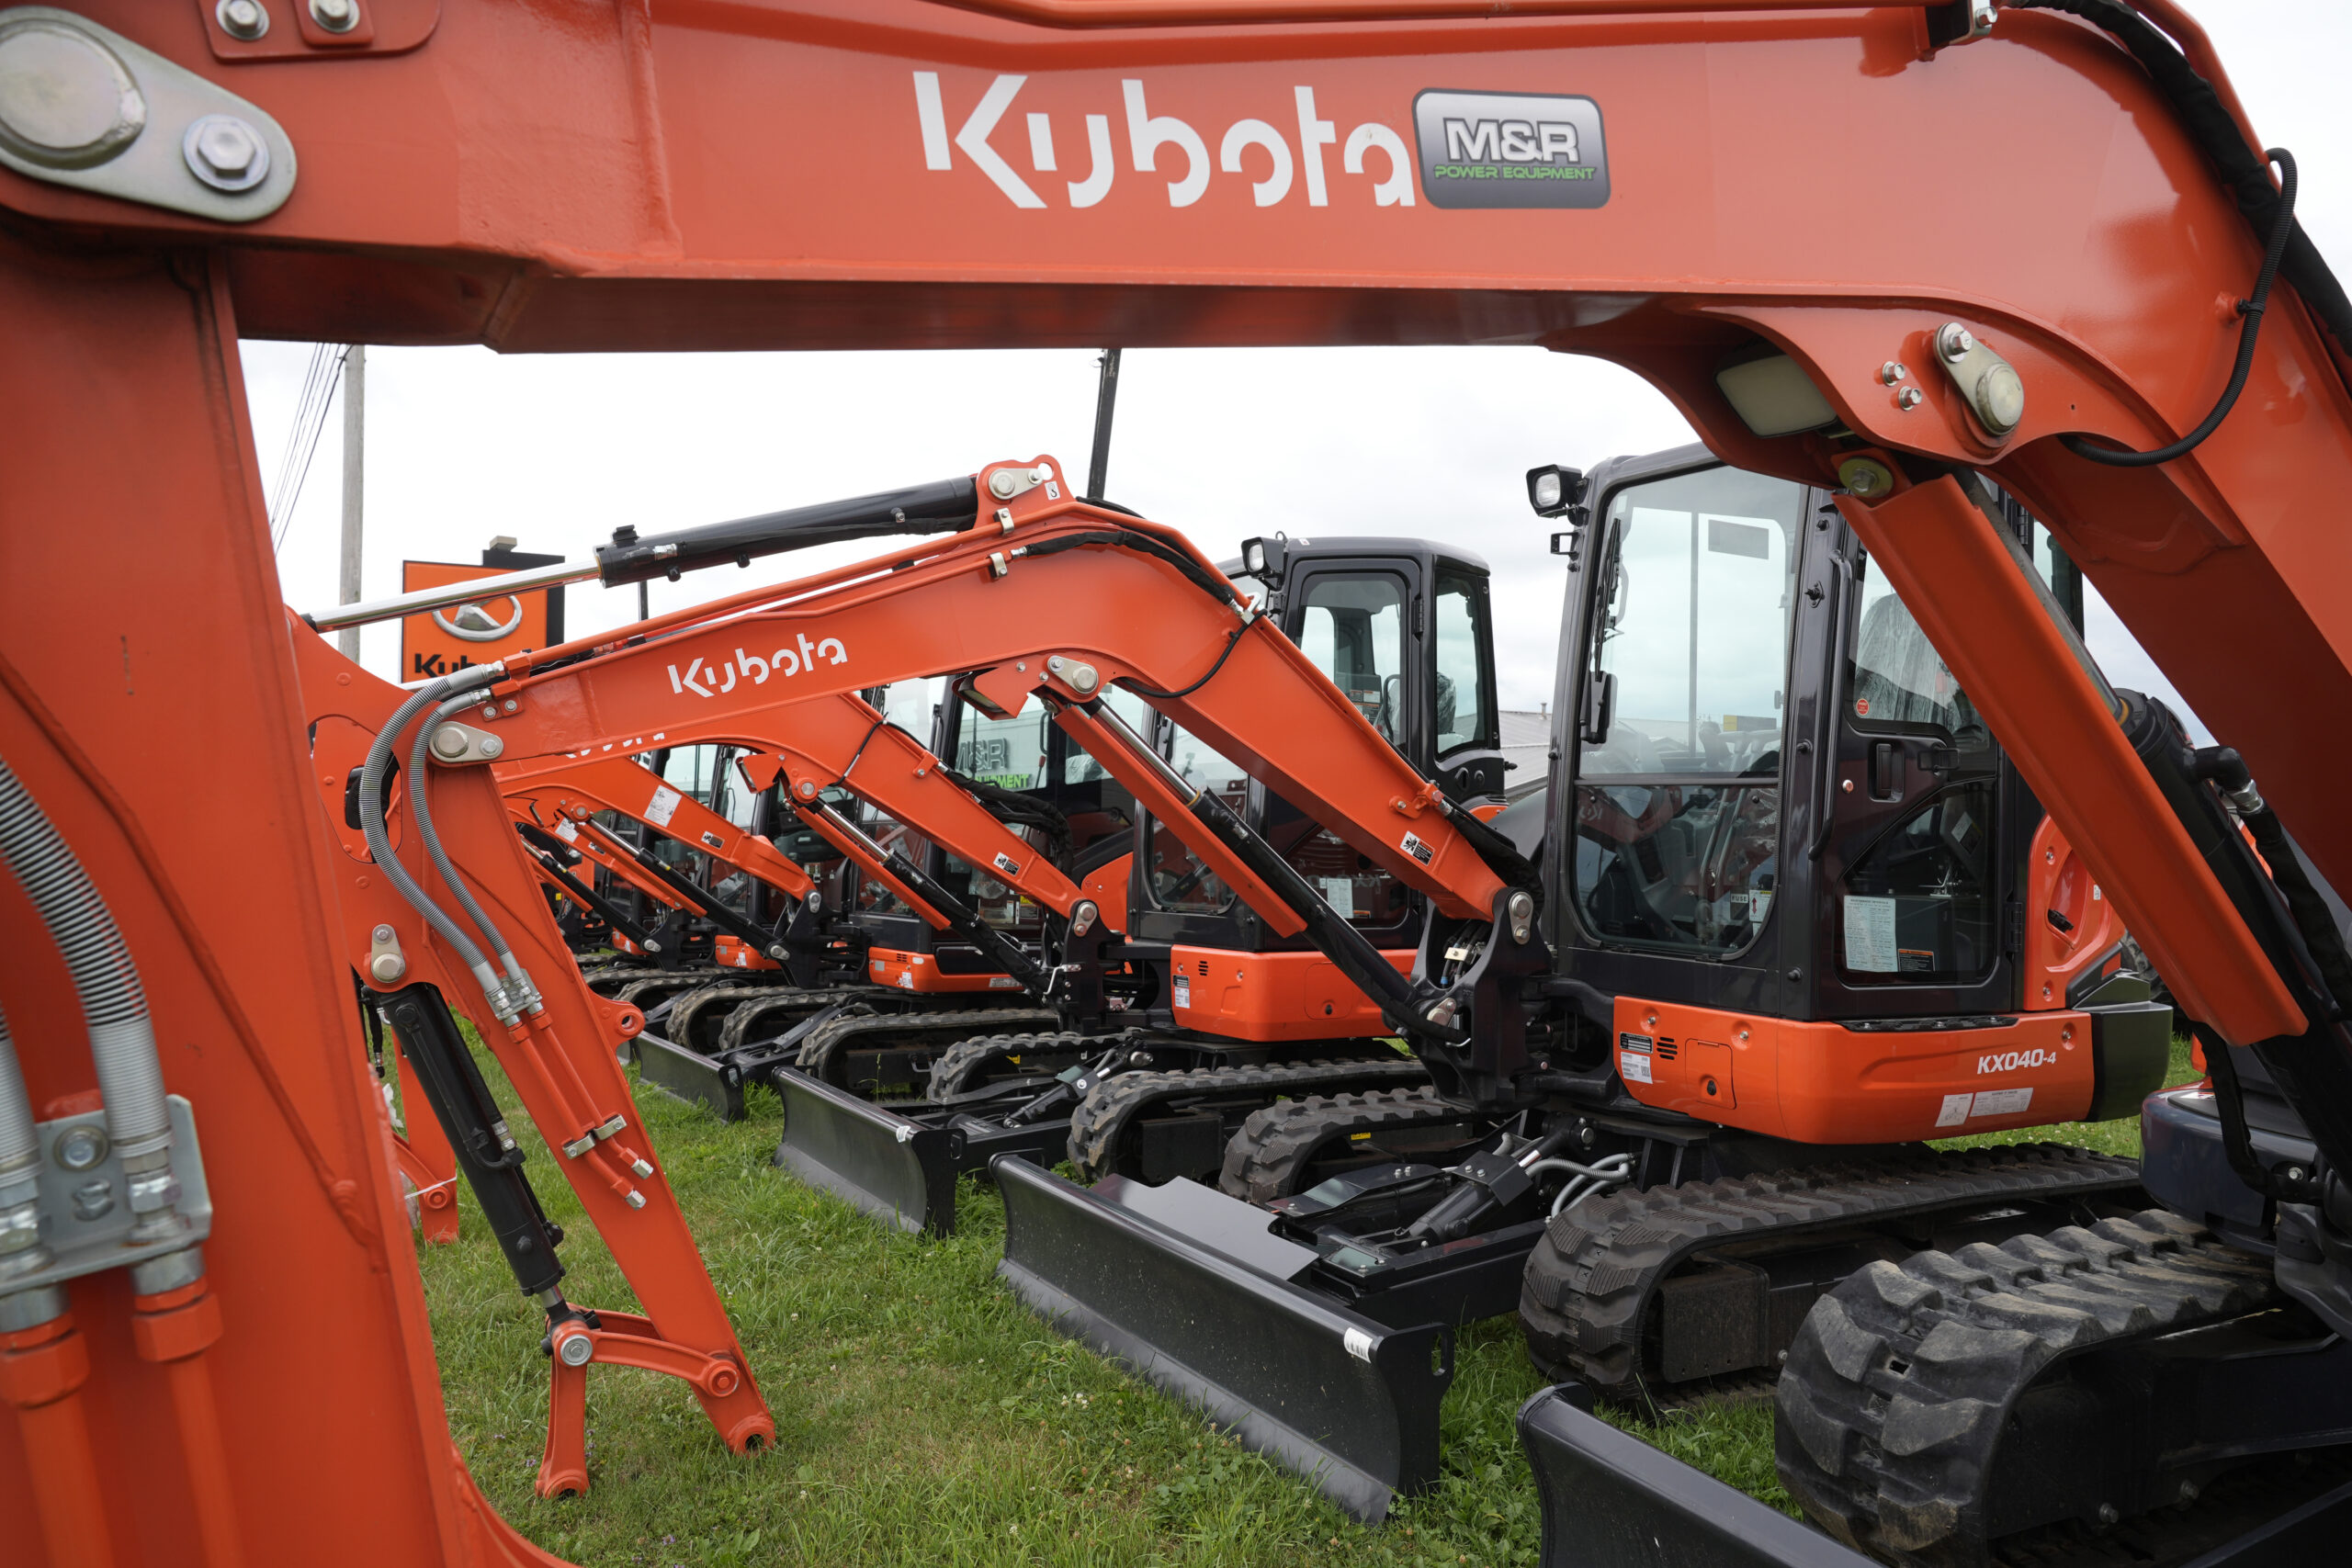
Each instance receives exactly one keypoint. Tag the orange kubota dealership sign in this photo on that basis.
(477, 631)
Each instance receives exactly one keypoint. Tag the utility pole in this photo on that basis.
(1107, 395)
(355, 469)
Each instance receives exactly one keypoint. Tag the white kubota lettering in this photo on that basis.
(1149, 133)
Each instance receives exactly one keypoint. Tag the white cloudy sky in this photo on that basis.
(559, 450)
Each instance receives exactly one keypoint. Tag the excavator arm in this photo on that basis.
(2084, 201)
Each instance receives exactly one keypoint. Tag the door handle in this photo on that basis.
(1886, 771)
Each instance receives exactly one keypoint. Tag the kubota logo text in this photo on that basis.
(786, 660)
(2011, 1061)
(1250, 148)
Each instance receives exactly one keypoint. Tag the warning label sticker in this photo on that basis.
(1955, 1110)
(2002, 1101)
(1184, 989)
(1414, 845)
(1007, 865)
(664, 805)
(1634, 1067)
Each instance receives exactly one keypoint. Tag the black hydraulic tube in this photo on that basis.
(768, 944)
(962, 919)
(487, 1156)
(944, 506)
(588, 898)
(1332, 933)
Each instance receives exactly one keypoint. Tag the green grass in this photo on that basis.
(921, 1415)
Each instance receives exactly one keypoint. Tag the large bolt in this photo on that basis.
(225, 152)
(335, 16)
(387, 967)
(1954, 341)
(66, 101)
(243, 20)
(448, 743)
(577, 1350)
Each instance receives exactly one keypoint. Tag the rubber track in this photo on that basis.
(1585, 1294)
(1901, 1381)
(662, 983)
(728, 993)
(959, 1068)
(822, 1052)
(1267, 1158)
(1104, 1116)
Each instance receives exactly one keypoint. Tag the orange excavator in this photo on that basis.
(2158, 375)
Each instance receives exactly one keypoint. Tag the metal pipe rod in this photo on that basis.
(355, 471)
(426, 599)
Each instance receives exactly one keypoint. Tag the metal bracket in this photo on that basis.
(82, 106)
(1006, 483)
(387, 964)
(85, 1214)
(455, 745)
(1987, 382)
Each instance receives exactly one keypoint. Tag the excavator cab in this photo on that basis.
(1776, 797)
(1405, 628)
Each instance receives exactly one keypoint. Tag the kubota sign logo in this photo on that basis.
(711, 680)
(1477, 149)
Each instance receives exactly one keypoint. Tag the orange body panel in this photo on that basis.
(1271, 996)
(920, 972)
(1107, 886)
(1824, 1083)
(2060, 885)
(729, 952)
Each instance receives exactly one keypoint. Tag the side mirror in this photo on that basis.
(1599, 708)
(1551, 489)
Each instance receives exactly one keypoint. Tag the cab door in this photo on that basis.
(1918, 864)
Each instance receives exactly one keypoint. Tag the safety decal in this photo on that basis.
(1861, 707)
(1416, 846)
(1510, 149)
(1007, 865)
(1959, 1108)
(1633, 1067)
(664, 805)
(1184, 989)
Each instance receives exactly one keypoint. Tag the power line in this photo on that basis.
(320, 379)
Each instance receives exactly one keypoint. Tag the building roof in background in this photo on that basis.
(1526, 742)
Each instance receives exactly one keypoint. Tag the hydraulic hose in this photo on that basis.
(421, 812)
(22, 1252)
(114, 1004)
(379, 840)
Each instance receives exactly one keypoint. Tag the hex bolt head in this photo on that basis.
(1893, 371)
(1909, 398)
(335, 16)
(2108, 1514)
(492, 745)
(80, 1148)
(243, 20)
(382, 934)
(225, 152)
(1954, 341)
(636, 1200)
(577, 1350)
(510, 705)
(1866, 478)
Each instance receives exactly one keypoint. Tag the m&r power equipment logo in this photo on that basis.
(1510, 149)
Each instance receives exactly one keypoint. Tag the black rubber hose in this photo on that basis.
(2250, 314)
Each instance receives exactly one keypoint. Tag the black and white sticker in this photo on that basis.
(1183, 988)
(1416, 846)
(1007, 865)
(1634, 1057)
(1958, 1108)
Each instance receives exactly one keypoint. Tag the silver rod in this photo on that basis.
(354, 462)
(426, 599)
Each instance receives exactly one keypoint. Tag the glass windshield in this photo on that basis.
(1354, 629)
(1678, 796)
(1464, 647)
(1896, 676)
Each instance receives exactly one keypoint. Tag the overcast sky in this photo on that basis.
(559, 450)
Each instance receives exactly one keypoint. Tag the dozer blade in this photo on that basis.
(899, 1171)
(1185, 1286)
(1612, 1501)
(690, 1075)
